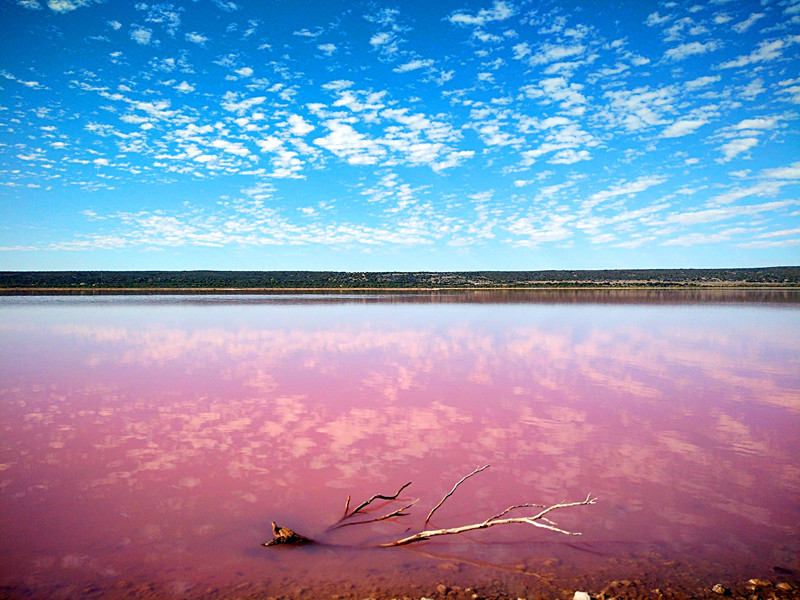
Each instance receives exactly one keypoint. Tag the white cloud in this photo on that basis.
(162, 14)
(67, 5)
(766, 51)
(701, 82)
(339, 84)
(347, 143)
(141, 35)
(244, 72)
(380, 39)
(685, 50)
(184, 87)
(235, 148)
(196, 38)
(569, 156)
(641, 108)
(232, 103)
(115, 25)
(762, 188)
(683, 127)
(269, 144)
(752, 89)
(328, 49)
(654, 19)
(790, 172)
(452, 159)
(226, 5)
(413, 65)
(748, 23)
(569, 95)
(771, 244)
(624, 189)
(298, 125)
(500, 11)
(712, 215)
(694, 239)
(757, 123)
(735, 147)
(521, 50)
(31, 84)
(548, 53)
(29, 4)
(308, 33)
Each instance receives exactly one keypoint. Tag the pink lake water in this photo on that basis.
(147, 442)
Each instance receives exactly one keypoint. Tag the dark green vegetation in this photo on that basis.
(166, 280)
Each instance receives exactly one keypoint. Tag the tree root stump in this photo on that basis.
(284, 535)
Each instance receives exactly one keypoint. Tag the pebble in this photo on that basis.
(581, 596)
(720, 589)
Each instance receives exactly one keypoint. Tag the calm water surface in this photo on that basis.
(152, 439)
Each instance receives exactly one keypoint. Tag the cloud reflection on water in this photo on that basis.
(179, 423)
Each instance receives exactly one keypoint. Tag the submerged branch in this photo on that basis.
(450, 493)
(364, 504)
(284, 535)
(492, 521)
(396, 513)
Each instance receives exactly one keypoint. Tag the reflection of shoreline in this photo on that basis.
(538, 295)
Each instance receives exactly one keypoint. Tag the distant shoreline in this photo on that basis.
(72, 291)
(17, 282)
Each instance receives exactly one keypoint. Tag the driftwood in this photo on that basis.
(284, 535)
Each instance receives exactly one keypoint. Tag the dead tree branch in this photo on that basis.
(365, 504)
(284, 535)
(396, 513)
(534, 520)
(450, 493)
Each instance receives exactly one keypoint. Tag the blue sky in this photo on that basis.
(407, 135)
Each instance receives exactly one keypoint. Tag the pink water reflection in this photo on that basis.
(152, 439)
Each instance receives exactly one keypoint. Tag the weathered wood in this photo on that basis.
(284, 535)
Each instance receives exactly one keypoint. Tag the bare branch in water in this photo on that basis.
(450, 493)
(534, 520)
(364, 504)
(284, 535)
(397, 513)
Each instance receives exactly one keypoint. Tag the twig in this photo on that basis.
(364, 504)
(378, 497)
(396, 513)
(492, 521)
(510, 508)
(462, 480)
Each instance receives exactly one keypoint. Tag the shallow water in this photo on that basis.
(152, 439)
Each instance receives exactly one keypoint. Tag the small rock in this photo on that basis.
(758, 583)
(784, 587)
(720, 589)
(442, 589)
(581, 596)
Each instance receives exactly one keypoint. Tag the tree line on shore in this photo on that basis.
(765, 276)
